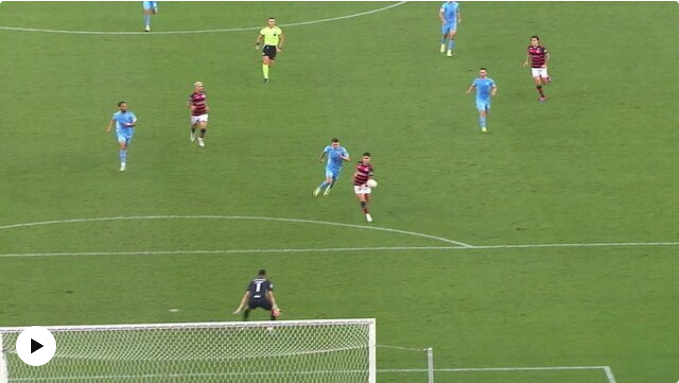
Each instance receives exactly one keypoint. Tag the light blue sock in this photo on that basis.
(482, 121)
(322, 185)
(443, 40)
(123, 155)
(451, 44)
(147, 20)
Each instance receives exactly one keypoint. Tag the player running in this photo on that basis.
(273, 43)
(337, 155)
(450, 16)
(485, 89)
(199, 109)
(150, 8)
(539, 57)
(125, 121)
(364, 172)
(259, 294)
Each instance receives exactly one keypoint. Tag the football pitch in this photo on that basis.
(543, 251)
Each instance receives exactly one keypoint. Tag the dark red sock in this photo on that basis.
(364, 206)
(539, 88)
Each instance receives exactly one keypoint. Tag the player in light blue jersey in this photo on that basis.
(485, 89)
(450, 16)
(150, 8)
(337, 155)
(125, 122)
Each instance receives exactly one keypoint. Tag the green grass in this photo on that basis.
(594, 164)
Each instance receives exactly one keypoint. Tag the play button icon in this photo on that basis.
(36, 346)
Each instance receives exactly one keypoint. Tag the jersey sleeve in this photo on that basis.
(270, 286)
(134, 118)
(327, 149)
(262, 31)
(345, 153)
(250, 285)
(474, 83)
(113, 117)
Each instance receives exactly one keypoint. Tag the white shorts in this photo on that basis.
(362, 190)
(197, 119)
(539, 72)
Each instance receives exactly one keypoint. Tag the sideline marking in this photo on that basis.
(21, 29)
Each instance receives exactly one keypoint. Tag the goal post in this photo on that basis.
(3, 361)
(342, 350)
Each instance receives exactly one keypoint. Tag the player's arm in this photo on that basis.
(345, 157)
(493, 90)
(320, 159)
(242, 302)
(441, 16)
(133, 123)
(470, 88)
(525, 63)
(281, 42)
(546, 59)
(259, 41)
(459, 17)
(110, 124)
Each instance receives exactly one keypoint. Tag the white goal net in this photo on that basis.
(276, 351)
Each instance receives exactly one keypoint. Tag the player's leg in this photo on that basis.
(335, 176)
(451, 40)
(148, 10)
(483, 108)
(329, 174)
(536, 72)
(265, 67)
(268, 306)
(202, 125)
(361, 193)
(252, 304)
(194, 123)
(445, 29)
(544, 77)
(123, 141)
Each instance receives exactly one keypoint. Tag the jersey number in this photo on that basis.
(258, 286)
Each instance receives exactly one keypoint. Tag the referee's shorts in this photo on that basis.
(269, 51)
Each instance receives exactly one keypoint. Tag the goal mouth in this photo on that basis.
(296, 351)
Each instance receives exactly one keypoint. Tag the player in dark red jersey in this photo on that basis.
(364, 172)
(259, 294)
(199, 109)
(539, 57)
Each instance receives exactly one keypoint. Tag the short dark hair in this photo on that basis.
(536, 37)
(484, 69)
(335, 140)
(272, 18)
(121, 103)
(366, 154)
(262, 272)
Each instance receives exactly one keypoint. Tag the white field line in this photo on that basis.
(320, 372)
(224, 217)
(609, 374)
(497, 369)
(315, 250)
(607, 370)
(21, 29)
